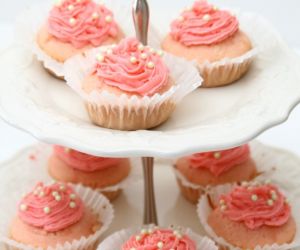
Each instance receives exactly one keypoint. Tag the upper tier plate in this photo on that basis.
(208, 119)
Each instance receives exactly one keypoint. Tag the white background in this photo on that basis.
(283, 14)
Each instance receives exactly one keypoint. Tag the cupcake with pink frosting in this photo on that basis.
(200, 171)
(74, 26)
(251, 216)
(208, 35)
(130, 86)
(68, 165)
(55, 215)
(157, 238)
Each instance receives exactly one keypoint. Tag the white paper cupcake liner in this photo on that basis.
(36, 161)
(184, 74)
(92, 199)
(32, 19)
(204, 209)
(265, 160)
(116, 240)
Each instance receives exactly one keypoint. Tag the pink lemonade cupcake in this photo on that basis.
(129, 69)
(68, 165)
(214, 168)
(254, 215)
(208, 35)
(74, 26)
(52, 215)
(153, 238)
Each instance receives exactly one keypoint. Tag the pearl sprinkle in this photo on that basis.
(23, 207)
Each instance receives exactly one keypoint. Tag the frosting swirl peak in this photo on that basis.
(256, 206)
(81, 23)
(163, 239)
(133, 68)
(51, 208)
(82, 161)
(220, 162)
(203, 24)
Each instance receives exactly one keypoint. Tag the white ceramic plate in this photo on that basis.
(208, 119)
(172, 208)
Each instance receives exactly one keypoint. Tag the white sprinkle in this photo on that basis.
(160, 52)
(47, 210)
(109, 51)
(133, 59)
(217, 155)
(150, 65)
(180, 18)
(160, 245)
(223, 207)
(72, 204)
(100, 57)
(72, 196)
(270, 202)
(54, 193)
(62, 188)
(57, 3)
(108, 19)
(95, 15)
(274, 197)
(138, 238)
(206, 17)
(222, 202)
(144, 55)
(71, 7)
(72, 21)
(58, 198)
(151, 50)
(141, 47)
(254, 197)
(23, 207)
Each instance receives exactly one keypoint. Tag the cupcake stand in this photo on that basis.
(208, 119)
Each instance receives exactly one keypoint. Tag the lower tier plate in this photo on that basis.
(171, 206)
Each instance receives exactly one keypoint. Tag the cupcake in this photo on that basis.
(54, 215)
(197, 172)
(156, 238)
(252, 216)
(68, 165)
(130, 86)
(208, 35)
(74, 26)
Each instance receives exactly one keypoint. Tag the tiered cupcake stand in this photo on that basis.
(208, 119)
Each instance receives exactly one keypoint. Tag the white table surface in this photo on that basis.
(285, 18)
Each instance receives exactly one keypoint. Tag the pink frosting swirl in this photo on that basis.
(51, 208)
(82, 23)
(133, 68)
(256, 206)
(82, 161)
(220, 162)
(204, 24)
(163, 239)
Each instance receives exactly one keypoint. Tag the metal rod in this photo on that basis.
(150, 215)
(140, 14)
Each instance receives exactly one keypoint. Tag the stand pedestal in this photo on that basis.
(150, 215)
